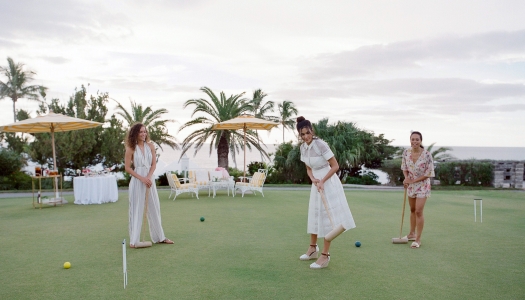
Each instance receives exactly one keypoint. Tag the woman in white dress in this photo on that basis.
(141, 152)
(321, 167)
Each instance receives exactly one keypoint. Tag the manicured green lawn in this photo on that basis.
(248, 248)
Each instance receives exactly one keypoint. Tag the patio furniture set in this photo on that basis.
(214, 180)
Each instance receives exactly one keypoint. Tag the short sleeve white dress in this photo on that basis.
(316, 156)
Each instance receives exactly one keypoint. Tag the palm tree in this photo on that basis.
(440, 153)
(16, 87)
(155, 126)
(287, 111)
(218, 110)
(258, 107)
(261, 109)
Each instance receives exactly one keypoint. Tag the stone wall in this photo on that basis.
(508, 174)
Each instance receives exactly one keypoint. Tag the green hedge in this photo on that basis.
(364, 177)
(15, 181)
(467, 172)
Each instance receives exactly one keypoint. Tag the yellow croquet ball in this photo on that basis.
(67, 265)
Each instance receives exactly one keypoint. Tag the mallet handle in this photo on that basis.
(145, 214)
(403, 214)
(326, 208)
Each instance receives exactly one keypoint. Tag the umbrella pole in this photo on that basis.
(54, 159)
(244, 150)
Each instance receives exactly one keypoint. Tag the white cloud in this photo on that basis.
(395, 57)
(390, 66)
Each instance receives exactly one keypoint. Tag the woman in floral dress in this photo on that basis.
(321, 167)
(418, 168)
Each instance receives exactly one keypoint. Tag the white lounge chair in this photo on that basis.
(179, 188)
(256, 183)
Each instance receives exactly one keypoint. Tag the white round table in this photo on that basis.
(95, 190)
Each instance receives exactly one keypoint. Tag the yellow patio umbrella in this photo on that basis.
(50, 123)
(245, 122)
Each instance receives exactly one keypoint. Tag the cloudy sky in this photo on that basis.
(454, 70)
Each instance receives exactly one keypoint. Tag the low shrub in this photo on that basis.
(16, 181)
(365, 178)
(254, 166)
(162, 180)
(465, 172)
(235, 172)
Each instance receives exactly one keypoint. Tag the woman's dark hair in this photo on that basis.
(133, 135)
(303, 123)
(420, 137)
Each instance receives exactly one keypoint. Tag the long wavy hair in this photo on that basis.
(133, 135)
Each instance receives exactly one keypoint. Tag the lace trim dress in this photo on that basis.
(137, 198)
(316, 156)
(424, 166)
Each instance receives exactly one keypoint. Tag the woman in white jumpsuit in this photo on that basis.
(142, 153)
(321, 167)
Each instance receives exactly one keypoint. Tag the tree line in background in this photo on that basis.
(353, 147)
(82, 148)
(104, 145)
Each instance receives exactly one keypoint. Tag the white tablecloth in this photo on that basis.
(95, 190)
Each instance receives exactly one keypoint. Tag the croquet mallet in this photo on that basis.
(335, 231)
(401, 240)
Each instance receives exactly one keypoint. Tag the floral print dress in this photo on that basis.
(424, 166)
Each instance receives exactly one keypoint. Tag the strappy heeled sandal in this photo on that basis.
(313, 255)
(324, 265)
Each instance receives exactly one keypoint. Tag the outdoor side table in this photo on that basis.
(53, 201)
(223, 184)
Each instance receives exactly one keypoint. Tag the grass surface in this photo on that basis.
(248, 248)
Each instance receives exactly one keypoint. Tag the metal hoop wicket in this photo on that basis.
(480, 210)
(124, 263)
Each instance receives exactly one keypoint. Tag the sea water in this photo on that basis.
(169, 158)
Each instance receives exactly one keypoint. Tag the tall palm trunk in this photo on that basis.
(14, 110)
(223, 151)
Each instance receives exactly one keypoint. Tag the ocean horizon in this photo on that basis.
(169, 158)
(492, 153)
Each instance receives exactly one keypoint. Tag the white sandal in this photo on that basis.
(324, 265)
(312, 255)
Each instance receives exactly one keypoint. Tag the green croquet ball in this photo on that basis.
(202, 219)
(358, 244)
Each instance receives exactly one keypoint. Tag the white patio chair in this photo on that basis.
(256, 183)
(179, 188)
